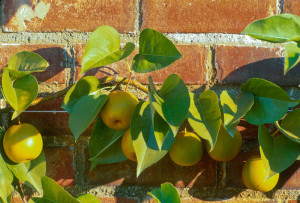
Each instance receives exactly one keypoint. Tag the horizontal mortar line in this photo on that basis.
(42, 111)
(71, 38)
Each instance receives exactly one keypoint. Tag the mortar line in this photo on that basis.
(280, 6)
(211, 74)
(67, 38)
(139, 17)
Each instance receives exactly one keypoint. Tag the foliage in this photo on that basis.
(166, 194)
(155, 123)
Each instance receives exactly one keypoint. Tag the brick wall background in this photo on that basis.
(215, 56)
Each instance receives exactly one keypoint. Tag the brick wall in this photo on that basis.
(215, 55)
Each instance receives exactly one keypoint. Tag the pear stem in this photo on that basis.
(19, 121)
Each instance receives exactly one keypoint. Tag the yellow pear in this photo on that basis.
(127, 146)
(117, 111)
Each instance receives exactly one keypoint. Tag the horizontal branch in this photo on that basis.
(114, 79)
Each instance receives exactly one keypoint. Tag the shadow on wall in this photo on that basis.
(270, 69)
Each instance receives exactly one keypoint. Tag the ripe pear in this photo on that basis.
(117, 111)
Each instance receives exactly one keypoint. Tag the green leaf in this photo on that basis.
(292, 56)
(84, 112)
(234, 108)
(144, 141)
(103, 48)
(6, 179)
(53, 193)
(290, 125)
(155, 52)
(84, 86)
(31, 172)
(277, 153)
(19, 93)
(105, 145)
(88, 198)
(279, 28)
(271, 102)
(166, 194)
(25, 62)
(205, 116)
(171, 102)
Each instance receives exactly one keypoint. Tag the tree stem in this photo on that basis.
(109, 79)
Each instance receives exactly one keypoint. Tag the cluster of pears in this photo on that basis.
(117, 113)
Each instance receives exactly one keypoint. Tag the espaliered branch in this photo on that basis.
(145, 131)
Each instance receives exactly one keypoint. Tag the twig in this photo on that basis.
(21, 193)
(108, 79)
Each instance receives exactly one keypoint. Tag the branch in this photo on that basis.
(109, 79)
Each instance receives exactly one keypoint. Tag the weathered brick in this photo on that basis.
(54, 54)
(292, 6)
(60, 169)
(66, 15)
(51, 105)
(191, 68)
(237, 64)
(204, 16)
(202, 174)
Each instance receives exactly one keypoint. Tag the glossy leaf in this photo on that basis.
(84, 86)
(88, 198)
(278, 28)
(19, 93)
(292, 56)
(103, 48)
(31, 172)
(290, 125)
(271, 102)
(171, 102)
(205, 116)
(234, 108)
(144, 141)
(166, 194)
(53, 193)
(6, 179)
(277, 153)
(84, 112)
(25, 62)
(155, 52)
(105, 145)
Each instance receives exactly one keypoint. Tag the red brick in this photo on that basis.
(191, 68)
(290, 178)
(204, 16)
(247, 130)
(202, 174)
(66, 15)
(54, 54)
(236, 64)
(59, 166)
(51, 105)
(117, 200)
(49, 124)
(292, 6)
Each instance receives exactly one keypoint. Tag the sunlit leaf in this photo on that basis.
(103, 48)
(292, 56)
(53, 193)
(88, 198)
(205, 116)
(277, 153)
(144, 141)
(278, 28)
(166, 194)
(155, 52)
